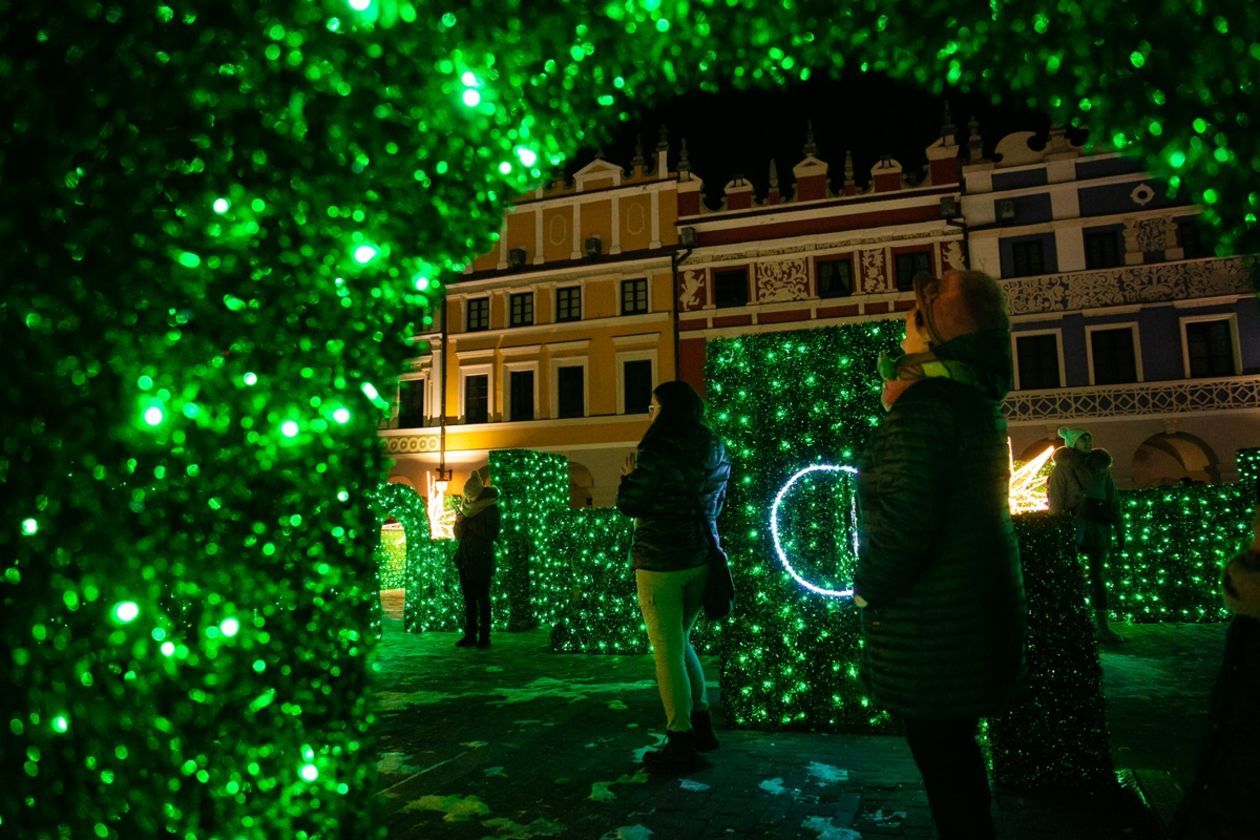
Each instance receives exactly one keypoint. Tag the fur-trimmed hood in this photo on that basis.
(1095, 460)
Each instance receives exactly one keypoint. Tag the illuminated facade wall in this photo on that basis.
(1124, 320)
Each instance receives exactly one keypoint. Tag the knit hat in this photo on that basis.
(473, 486)
(1071, 436)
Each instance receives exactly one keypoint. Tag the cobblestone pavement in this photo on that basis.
(518, 742)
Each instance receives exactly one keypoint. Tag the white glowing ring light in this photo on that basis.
(774, 529)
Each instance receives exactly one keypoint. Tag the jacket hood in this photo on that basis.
(988, 353)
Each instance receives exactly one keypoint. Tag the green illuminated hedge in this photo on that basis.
(223, 222)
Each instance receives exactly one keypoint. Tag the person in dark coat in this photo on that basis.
(1223, 803)
(674, 485)
(938, 578)
(476, 528)
(1081, 484)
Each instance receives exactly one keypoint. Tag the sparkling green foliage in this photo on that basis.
(533, 490)
(222, 223)
(391, 558)
(1178, 540)
(784, 401)
(1055, 733)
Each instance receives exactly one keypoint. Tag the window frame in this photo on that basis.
(1134, 334)
(1113, 236)
(819, 262)
(1016, 244)
(897, 256)
(1058, 341)
(510, 368)
(580, 303)
(465, 373)
(513, 297)
(717, 273)
(648, 355)
(468, 312)
(564, 362)
(1231, 319)
(425, 412)
(647, 295)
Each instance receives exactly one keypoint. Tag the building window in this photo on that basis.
(1028, 258)
(1190, 235)
(1112, 353)
(569, 303)
(476, 399)
(521, 395)
(1102, 249)
(1037, 357)
(634, 296)
(570, 387)
(521, 309)
(411, 403)
(730, 287)
(909, 265)
(478, 314)
(835, 278)
(1210, 348)
(637, 385)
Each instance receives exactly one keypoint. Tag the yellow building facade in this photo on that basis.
(553, 340)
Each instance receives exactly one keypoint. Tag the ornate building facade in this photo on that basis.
(1123, 320)
(602, 288)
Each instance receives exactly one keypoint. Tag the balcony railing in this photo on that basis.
(1183, 396)
(1127, 285)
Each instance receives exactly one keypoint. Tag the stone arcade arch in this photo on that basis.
(1172, 458)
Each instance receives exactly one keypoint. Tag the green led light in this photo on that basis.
(342, 415)
(1177, 159)
(60, 724)
(1210, 196)
(471, 98)
(30, 527)
(153, 415)
(289, 428)
(360, 5)
(309, 772)
(505, 168)
(221, 205)
(126, 611)
(189, 260)
(364, 254)
(230, 627)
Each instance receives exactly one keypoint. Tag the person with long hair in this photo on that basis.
(674, 484)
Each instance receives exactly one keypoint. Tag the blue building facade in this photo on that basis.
(1123, 319)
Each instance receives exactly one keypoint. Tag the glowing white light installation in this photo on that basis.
(774, 528)
(441, 520)
(1028, 486)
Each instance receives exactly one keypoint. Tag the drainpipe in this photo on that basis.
(443, 473)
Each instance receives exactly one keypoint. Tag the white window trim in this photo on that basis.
(428, 396)
(513, 367)
(1231, 317)
(555, 303)
(647, 280)
(468, 312)
(633, 356)
(1058, 342)
(507, 302)
(465, 371)
(570, 361)
(1134, 333)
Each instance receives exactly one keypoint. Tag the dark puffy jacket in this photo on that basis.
(938, 561)
(1078, 476)
(476, 534)
(676, 492)
(1222, 802)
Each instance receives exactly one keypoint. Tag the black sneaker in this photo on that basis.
(702, 728)
(467, 641)
(678, 755)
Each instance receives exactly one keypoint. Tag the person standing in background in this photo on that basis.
(1081, 484)
(476, 528)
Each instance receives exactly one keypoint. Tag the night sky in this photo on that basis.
(740, 131)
